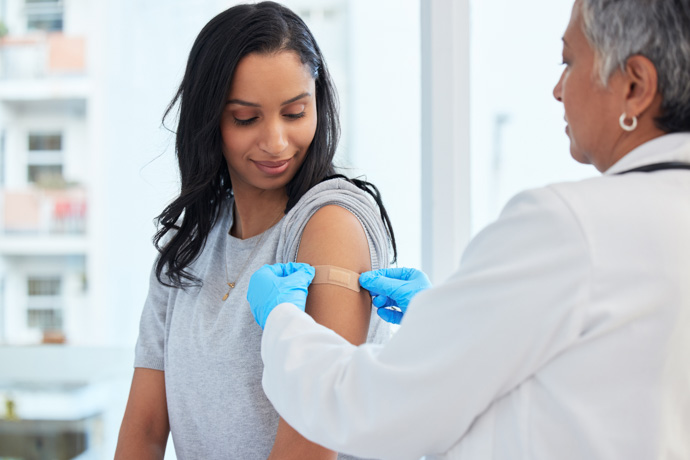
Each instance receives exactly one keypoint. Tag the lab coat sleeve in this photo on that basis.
(517, 301)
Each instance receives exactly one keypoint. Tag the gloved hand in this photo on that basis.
(272, 285)
(392, 289)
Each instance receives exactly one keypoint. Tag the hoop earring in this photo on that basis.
(631, 126)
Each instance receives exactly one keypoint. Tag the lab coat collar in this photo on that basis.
(669, 147)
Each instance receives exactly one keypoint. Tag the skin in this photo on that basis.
(267, 126)
(270, 117)
(333, 236)
(145, 428)
(592, 110)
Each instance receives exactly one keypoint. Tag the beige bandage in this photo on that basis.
(330, 274)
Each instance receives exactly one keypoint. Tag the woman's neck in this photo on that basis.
(256, 212)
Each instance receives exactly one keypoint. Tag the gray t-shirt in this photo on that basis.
(210, 349)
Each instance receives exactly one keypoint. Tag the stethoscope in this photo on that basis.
(658, 167)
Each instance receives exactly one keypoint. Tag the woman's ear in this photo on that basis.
(642, 82)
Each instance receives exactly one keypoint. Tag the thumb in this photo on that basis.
(304, 274)
(400, 273)
(380, 284)
(294, 267)
(390, 316)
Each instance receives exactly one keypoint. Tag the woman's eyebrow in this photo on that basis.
(241, 102)
(296, 98)
(254, 104)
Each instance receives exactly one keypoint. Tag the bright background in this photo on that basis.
(85, 166)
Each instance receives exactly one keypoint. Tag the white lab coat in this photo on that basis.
(565, 334)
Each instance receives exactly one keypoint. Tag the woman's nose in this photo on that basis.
(557, 90)
(273, 140)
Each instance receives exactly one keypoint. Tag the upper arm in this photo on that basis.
(145, 426)
(334, 236)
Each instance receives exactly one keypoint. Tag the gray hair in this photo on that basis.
(656, 29)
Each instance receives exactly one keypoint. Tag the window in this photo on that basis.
(44, 303)
(44, 164)
(44, 15)
(517, 126)
(45, 142)
(44, 286)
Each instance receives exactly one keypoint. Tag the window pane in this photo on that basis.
(41, 286)
(45, 174)
(45, 319)
(44, 15)
(517, 126)
(43, 141)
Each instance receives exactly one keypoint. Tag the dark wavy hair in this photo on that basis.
(265, 27)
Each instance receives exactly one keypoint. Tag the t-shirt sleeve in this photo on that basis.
(150, 348)
(340, 193)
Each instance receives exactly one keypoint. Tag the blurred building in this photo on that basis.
(50, 408)
(44, 171)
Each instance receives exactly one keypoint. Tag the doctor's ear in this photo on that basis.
(641, 92)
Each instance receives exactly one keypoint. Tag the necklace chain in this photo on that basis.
(231, 284)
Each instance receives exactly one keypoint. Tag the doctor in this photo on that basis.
(565, 333)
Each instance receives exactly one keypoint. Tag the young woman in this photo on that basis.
(257, 132)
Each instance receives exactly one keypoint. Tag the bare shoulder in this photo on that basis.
(334, 236)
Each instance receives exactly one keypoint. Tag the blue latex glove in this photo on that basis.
(392, 289)
(272, 285)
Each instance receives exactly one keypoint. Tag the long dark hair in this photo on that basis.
(265, 27)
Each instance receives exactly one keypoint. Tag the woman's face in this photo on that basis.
(269, 120)
(591, 110)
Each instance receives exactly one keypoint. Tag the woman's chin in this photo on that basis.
(579, 156)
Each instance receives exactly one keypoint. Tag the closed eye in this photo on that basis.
(244, 122)
(295, 116)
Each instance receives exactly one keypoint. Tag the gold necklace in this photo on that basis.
(231, 284)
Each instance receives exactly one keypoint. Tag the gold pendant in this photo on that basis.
(227, 294)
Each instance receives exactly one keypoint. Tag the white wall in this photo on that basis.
(15, 20)
(514, 67)
(384, 128)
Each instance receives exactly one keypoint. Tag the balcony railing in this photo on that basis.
(41, 55)
(43, 211)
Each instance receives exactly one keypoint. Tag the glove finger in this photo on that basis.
(381, 301)
(400, 273)
(380, 284)
(263, 273)
(302, 277)
(293, 267)
(390, 316)
(283, 270)
(276, 269)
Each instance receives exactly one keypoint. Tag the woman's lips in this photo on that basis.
(273, 167)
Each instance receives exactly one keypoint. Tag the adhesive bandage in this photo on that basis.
(330, 274)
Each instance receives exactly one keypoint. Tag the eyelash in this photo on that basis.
(246, 122)
(249, 121)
